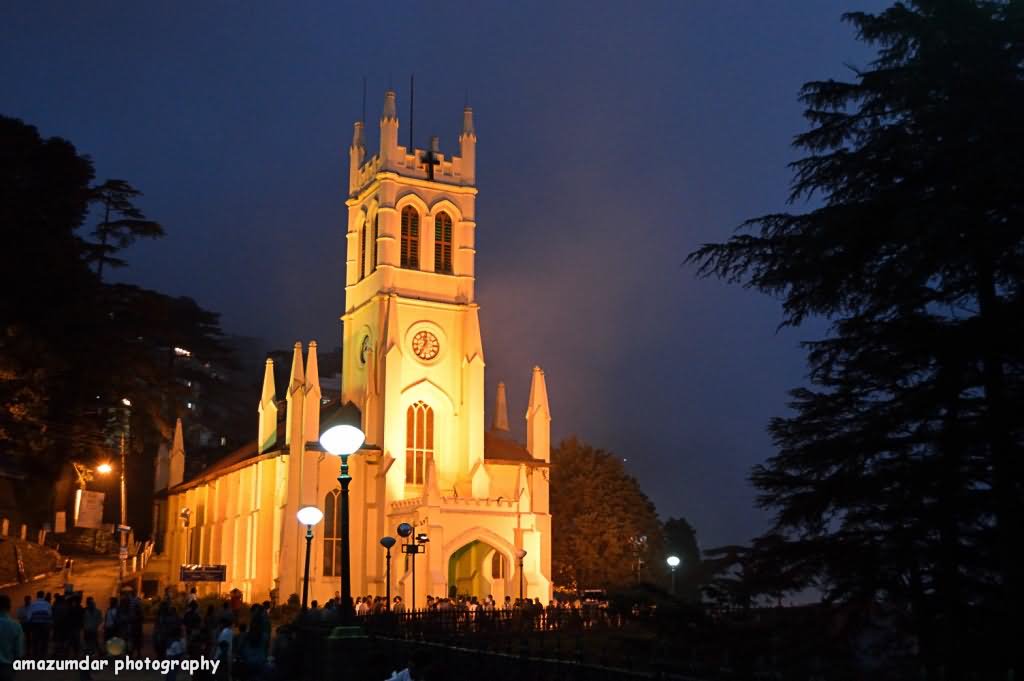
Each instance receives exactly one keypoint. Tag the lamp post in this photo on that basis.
(520, 554)
(387, 543)
(186, 522)
(673, 563)
(308, 516)
(123, 528)
(342, 436)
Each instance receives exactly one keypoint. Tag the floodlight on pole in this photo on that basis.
(308, 516)
(673, 563)
(521, 554)
(342, 436)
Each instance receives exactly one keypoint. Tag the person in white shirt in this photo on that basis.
(176, 650)
(223, 652)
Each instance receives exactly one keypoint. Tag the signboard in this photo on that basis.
(123, 553)
(204, 573)
(88, 509)
(60, 524)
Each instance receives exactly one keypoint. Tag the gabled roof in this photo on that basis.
(499, 446)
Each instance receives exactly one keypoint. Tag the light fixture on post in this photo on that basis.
(387, 543)
(308, 516)
(186, 519)
(673, 563)
(342, 436)
(123, 528)
(521, 554)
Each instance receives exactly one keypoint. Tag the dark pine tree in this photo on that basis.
(123, 222)
(898, 478)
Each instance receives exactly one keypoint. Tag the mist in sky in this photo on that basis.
(614, 138)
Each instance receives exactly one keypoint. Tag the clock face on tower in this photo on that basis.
(425, 345)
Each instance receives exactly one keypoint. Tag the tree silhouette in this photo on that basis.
(898, 479)
(123, 222)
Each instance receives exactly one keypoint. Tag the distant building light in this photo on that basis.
(182, 352)
(223, 441)
(126, 402)
(188, 405)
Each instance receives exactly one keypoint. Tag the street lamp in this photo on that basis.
(520, 554)
(673, 563)
(308, 516)
(342, 436)
(104, 468)
(387, 543)
(123, 528)
(84, 474)
(186, 521)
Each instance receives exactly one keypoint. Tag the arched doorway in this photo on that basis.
(478, 569)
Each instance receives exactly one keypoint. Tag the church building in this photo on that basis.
(413, 363)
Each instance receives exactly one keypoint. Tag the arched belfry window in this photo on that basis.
(410, 238)
(364, 230)
(373, 243)
(332, 535)
(443, 243)
(419, 442)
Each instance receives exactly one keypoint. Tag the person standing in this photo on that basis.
(110, 621)
(40, 618)
(177, 650)
(74, 625)
(23, 620)
(91, 619)
(223, 649)
(12, 640)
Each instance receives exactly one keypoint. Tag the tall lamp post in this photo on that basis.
(308, 516)
(123, 528)
(342, 436)
(673, 563)
(521, 554)
(387, 543)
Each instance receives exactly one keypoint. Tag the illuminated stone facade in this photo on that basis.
(414, 364)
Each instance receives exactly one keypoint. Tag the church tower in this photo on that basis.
(413, 357)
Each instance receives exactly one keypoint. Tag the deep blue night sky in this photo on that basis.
(614, 138)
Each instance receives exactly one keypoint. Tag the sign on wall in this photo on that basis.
(60, 522)
(88, 509)
(204, 573)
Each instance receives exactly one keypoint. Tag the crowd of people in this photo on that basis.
(60, 626)
(240, 637)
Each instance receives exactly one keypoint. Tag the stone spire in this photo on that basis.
(294, 397)
(538, 418)
(356, 156)
(177, 463)
(467, 146)
(500, 422)
(389, 130)
(267, 409)
(390, 108)
(311, 428)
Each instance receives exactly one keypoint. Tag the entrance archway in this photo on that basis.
(478, 569)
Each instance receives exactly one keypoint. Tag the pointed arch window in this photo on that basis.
(419, 442)
(332, 534)
(443, 243)
(410, 238)
(363, 234)
(373, 243)
(498, 566)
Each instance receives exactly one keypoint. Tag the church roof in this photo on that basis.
(499, 446)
